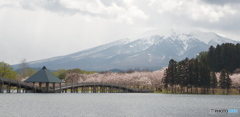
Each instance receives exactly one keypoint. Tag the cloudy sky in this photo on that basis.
(38, 29)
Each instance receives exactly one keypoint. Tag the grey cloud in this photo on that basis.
(110, 2)
(56, 6)
(222, 2)
(51, 5)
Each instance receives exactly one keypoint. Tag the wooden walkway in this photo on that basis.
(97, 87)
(15, 83)
(87, 87)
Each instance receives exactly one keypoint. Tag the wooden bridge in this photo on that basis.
(10, 85)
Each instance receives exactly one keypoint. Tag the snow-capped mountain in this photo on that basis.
(152, 52)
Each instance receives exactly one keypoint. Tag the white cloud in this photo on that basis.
(195, 9)
(114, 12)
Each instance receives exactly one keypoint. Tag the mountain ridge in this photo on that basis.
(152, 52)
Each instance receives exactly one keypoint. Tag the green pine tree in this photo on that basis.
(225, 81)
(214, 81)
(228, 82)
(172, 72)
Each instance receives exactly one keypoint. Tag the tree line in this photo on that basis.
(199, 73)
(225, 56)
(188, 76)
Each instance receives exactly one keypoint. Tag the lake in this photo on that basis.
(116, 105)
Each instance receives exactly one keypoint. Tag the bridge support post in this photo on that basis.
(88, 89)
(34, 89)
(104, 89)
(60, 85)
(47, 87)
(101, 89)
(94, 89)
(113, 90)
(91, 89)
(54, 87)
(83, 89)
(76, 89)
(26, 88)
(1, 86)
(23, 90)
(40, 86)
(18, 87)
(71, 90)
(80, 89)
(110, 89)
(8, 88)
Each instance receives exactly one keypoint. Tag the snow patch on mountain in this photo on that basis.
(150, 57)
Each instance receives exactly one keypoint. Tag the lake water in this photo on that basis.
(116, 105)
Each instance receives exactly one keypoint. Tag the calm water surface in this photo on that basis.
(119, 105)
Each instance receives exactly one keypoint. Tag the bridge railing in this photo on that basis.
(15, 82)
(91, 83)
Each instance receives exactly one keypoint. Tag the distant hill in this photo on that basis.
(152, 52)
(116, 70)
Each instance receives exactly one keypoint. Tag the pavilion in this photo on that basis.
(44, 76)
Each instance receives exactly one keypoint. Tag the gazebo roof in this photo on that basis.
(44, 75)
